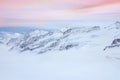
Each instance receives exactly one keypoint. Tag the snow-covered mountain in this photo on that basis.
(41, 41)
(70, 53)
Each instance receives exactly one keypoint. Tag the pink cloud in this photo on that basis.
(36, 11)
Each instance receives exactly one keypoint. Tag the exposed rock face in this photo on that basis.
(115, 43)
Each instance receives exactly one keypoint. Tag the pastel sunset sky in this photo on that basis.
(32, 12)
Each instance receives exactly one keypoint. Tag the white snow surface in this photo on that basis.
(84, 64)
(87, 62)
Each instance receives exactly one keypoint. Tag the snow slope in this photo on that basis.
(87, 61)
(84, 64)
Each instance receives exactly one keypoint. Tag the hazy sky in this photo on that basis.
(36, 12)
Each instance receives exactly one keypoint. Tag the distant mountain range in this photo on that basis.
(40, 41)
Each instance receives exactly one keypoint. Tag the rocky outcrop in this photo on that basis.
(115, 43)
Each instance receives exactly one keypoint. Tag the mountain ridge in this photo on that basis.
(41, 41)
